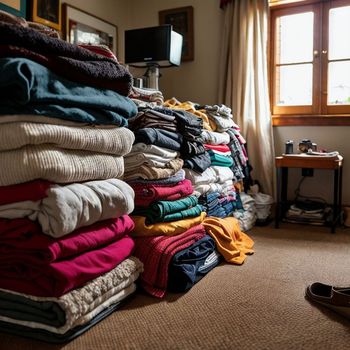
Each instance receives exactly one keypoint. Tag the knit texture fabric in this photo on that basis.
(75, 307)
(57, 165)
(115, 141)
(67, 60)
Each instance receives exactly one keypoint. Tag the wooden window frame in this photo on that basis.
(319, 113)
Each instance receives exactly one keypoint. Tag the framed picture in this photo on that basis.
(47, 12)
(16, 7)
(182, 21)
(80, 27)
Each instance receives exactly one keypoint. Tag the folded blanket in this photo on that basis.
(77, 307)
(233, 244)
(76, 205)
(59, 277)
(115, 141)
(28, 191)
(165, 211)
(164, 229)
(68, 60)
(156, 253)
(22, 241)
(147, 193)
(27, 87)
(57, 165)
(190, 265)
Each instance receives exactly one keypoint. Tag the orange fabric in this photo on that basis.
(171, 228)
(189, 107)
(233, 244)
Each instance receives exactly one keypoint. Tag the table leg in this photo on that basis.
(336, 213)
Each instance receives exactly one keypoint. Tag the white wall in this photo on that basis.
(197, 80)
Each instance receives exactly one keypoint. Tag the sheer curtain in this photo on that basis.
(243, 83)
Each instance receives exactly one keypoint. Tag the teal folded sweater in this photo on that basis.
(27, 87)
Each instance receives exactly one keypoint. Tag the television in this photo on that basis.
(153, 46)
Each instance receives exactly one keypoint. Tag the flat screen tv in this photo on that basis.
(153, 45)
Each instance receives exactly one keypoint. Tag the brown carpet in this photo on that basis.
(259, 305)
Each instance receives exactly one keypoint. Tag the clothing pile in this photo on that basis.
(66, 250)
(168, 233)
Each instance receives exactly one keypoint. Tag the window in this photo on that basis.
(310, 59)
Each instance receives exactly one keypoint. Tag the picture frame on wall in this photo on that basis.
(181, 19)
(47, 12)
(83, 28)
(15, 7)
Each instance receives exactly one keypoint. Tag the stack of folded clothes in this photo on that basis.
(217, 187)
(66, 250)
(167, 215)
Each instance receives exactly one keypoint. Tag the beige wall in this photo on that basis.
(197, 80)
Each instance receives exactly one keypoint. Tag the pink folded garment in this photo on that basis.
(22, 241)
(220, 148)
(156, 252)
(27, 191)
(58, 278)
(145, 194)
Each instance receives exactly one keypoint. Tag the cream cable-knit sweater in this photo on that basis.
(115, 141)
(57, 165)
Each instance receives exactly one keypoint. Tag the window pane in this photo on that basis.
(339, 83)
(295, 33)
(339, 29)
(295, 85)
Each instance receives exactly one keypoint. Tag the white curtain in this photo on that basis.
(243, 83)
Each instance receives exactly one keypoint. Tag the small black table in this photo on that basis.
(286, 161)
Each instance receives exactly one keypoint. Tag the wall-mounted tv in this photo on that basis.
(153, 45)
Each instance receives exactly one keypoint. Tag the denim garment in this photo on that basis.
(190, 265)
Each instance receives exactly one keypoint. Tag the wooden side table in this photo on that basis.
(286, 161)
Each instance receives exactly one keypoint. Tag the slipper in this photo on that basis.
(335, 298)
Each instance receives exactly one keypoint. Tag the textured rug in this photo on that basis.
(259, 305)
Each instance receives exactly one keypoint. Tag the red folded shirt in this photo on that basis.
(146, 194)
(27, 191)
(22, 241)
(58, 278)
(220, 148)
(156, 252)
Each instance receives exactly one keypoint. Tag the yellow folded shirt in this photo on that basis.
(164, 228)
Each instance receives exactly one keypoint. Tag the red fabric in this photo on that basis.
(145, 194)
(28, 191)
(58, 278)
(100, 50)
(156, 253)
(22, 241)
(220, 148)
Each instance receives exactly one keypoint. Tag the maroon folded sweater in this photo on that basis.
(145, 194)
(58, 278)
(156, 253)
(22, 241)
(68, 60)
(27, 191)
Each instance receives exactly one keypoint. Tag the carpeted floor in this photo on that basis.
(259, 305)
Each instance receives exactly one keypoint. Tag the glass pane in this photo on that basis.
(339, 83)
(339, 29)
(295, 85)
(295, 33)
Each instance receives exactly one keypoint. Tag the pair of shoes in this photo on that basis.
(335, 298)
